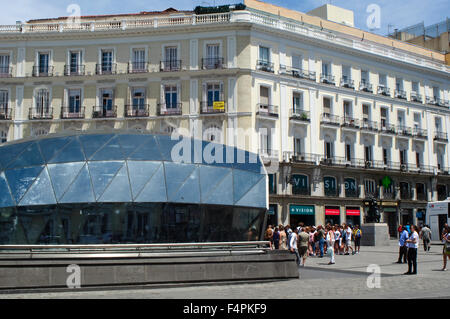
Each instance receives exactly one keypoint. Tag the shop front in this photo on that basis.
(390, 217)
(272, 215)
(353, 216)
(302, 213)
(332, 215)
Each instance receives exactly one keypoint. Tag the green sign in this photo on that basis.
(386, 182)
(301, 210)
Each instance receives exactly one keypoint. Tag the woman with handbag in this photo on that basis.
(446, 251)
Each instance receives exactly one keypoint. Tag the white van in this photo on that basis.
(438, 213)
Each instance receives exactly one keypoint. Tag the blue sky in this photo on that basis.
(398, 13)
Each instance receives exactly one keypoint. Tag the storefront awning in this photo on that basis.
(301, 210)
(353, 212)
(332, 212)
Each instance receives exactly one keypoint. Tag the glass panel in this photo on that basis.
(62, 175)
(81, 190)
(155, 190)
(5, 198)
(140, 174)
(10, 152)
(256, 196)
(221, 193)
(50, 147)
(72, 152)
(30, 157)
(210, 178)
(92, 143)
(130, 143)
(148, 151)
(119, 189)
(189, 192)
(243, 181)
(109, 152)
(21, 179)
(166, 144)
(41, 193)
(176, 176)
(102, 174)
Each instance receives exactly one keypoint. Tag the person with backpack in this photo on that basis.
(357, 234)
(276, 238)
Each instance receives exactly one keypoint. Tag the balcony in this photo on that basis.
(440, 137)
(5, 112)
(297, 73)
(420, 133)
(137, 67)
(41, 71)
(389, 195)
(348, 83)
(265, 66)
(415, 97)
(104, 112)
(441, 103)
(349, 122)
(5, 72)
(365, 87)
(267, 110)
(404, 131)
(106, 69)
(330, 119)
(70, 113)
(370, 126)
(45, 113)
(213, 63)
(383, 90)
(334, 161)
(74, 70)
(170, 109)
(422, 196)
(299, 115)
(216, 107)
(327, 79)
(406, 194)
(141, 110)
(442, 170)
(400, 94)
(170, 66)
(296, 157)
(421, 169)
(387, 128)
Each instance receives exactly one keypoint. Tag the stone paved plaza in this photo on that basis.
(346, 279)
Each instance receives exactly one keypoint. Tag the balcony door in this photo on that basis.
(171, 56)
(3, 101)
(265, 142)
(171, 96)
(107, 96)
(75, 62)
(44, 62)
(214, 93)
(138, 99)
(212, 56)
(4, 64)
(138, 61)
(107, 61)
(42, 102)
(74, 101)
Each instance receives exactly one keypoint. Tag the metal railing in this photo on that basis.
(327, 79)
(387, 128)
(166, 109)
(366, 87)
(41, 113)
(299, 115)
(267, 110)
(383, 90)
(350, 122)
(141, 110)
(400, 94)
(404, 130)
(327, 118)
(440, 136)
(40, 71)
(71, 69)
(213, 63)
(106, 69)
(5, 72)
(268, 153)
(420, 133)
(73, 113)
(104, 112)
(297, 73)
(208, 108)
(415, 97)
(369, 125)
(298, 157)
(5, 112)
(441, 102)
(347, 83)
(170, 66)
(137, 67)
(265, 66)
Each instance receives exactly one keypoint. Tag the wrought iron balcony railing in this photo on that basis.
(170, 66)
(420, 133)
(5, 112)
(106, 69)
(383, 90)
(137, 67)
(74, 69)
(265, 66)
(369, 125)
(141, 110)
(404, 130)
(5, 72)
(213, 63)
(104, 112)
(440, 136)
(327, 79)
(387, 128)
(365, 86)
(415, 97)
(212, 107)
(327, 118)
(350, 122)
(400, 94)
(43, 71)
(168, 109)
(267, 110)
(73, 112)
(299, 115)
(45, 113)
(347, 83)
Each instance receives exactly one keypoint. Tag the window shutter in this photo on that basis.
(162, 99)
(222, 97)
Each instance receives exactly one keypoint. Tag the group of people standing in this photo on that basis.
(409, 237)
(310, 241)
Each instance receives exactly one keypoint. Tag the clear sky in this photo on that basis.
(394, 13)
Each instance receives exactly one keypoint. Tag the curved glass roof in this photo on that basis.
(128, 167)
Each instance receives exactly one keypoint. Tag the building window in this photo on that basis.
(298, 146)
(75, 62)
(4, 99)
(442, 192)
(213, 59)
(265, 141)
(329, 150)
(370, 188)
(368, 153)
(264, 54)
(386, 156)
(44, 62)
(421, 191)
(348, 152)
(330, 186)
(272, 183)
(405, 191)
(214, 93)
(326, 106)
(213, 133)
(138, 63)
(403, 157)
(74, 96)
(3, 137)
(351, 187)
(4, 64)
(297, 102)
(42, 102)
(171, 96)
(300, 185)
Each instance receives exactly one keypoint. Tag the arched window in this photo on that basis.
(40, 132)
(213, 133)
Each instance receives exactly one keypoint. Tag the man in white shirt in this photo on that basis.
(413, 244)
(293, 245)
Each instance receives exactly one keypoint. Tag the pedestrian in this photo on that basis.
(413, 245)
(347, 239)
(403, 248)
(337, 239)
(303, 242)
(276, 238)
(425, 235)
(268, 236)
(312, 247)
(357, 234)
(408, 228)
(446, 251)
(330, 237)
(321, 239)
(283, 238)
(288, 232)
(293, 245)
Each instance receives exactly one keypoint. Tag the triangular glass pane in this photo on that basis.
(40, 193)
(222, 194)
(189, 192)
(20, 180)
(148, 151)
(155, 190)
(62, 175)
(111, 151)
(31, 156)
(140, 173)
(166, 145)
(72, 152)
(51, 146)
(102, 174)
(10, 152)
(5, 197)
(256, 197)
(210, 177)
(243, 181)
(92, 143)
(81, 189)
(119, 190)
(132, 142)
(176, 175)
